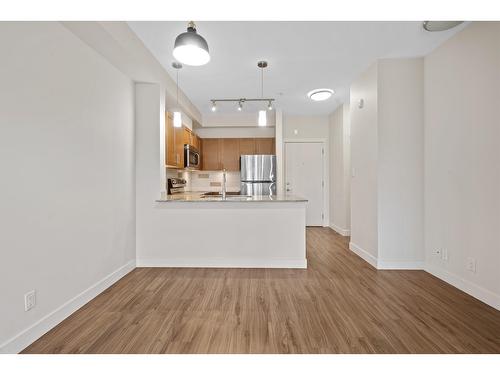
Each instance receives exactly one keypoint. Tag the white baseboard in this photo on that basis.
(389, 265)
(365, 255)
(476, 291)
(38, 329)
(339, 230)
(222, 263)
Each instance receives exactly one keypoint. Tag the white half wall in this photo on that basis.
(462, 157)
(247, 234)
(68, 177)
(340, 170)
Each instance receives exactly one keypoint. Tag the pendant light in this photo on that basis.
(262, 121)
(177, 112)
(190, 48)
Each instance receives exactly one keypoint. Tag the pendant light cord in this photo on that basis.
(261, 82)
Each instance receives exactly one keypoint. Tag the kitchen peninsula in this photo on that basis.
(241, 232)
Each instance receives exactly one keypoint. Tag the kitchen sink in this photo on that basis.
(217, 194)
(230, 195)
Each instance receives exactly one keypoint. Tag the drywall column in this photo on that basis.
(400, 163)
(462, 155)
(280, 162)
(340, 175)
(364, 164)
(150, 171)
(387, 164)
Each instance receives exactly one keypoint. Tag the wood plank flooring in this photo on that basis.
(340, 304)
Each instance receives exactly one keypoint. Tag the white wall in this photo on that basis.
(67, 182)
(237, 119)
(400, 163)
(306, 127)
(236, 132)
(364, 156)
(340, 175)
(462, 158)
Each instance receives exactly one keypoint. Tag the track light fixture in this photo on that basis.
(262, 114)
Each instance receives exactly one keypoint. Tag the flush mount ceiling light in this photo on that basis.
(440, 25)
(177, 112)
(319, 95)
(190, 48)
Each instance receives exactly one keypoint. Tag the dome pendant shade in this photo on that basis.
(190, 48)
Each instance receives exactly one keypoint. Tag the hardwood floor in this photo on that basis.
(340, 304)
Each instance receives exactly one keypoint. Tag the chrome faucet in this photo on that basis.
(224, 184)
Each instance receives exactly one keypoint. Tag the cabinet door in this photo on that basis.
(179, 147)
(265, 146)
(186, 136)
(230, 154)
(247, 146)
(196, 142)
(169, 141)
(210, 157)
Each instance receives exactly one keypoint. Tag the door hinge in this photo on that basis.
(322, 216)
(322, 151)
(322, 183)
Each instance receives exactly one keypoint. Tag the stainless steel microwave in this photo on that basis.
(191, 157)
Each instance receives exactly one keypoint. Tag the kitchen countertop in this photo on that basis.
(198, 197)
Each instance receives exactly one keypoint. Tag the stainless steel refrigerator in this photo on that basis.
(258, 174)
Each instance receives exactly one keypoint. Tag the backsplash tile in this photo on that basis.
(212, 181)
(206, 180)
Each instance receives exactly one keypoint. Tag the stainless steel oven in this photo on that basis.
(191, 157)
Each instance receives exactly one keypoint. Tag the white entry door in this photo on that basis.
(304, 177)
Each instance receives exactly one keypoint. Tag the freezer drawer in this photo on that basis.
(258, 188)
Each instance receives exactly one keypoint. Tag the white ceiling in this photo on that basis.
(302, 56)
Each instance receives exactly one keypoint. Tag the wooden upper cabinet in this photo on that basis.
(220, 153)
(247, 146)
(230, 154)
(179, 147)
(265, 146)
(186, 136)
(170, 160)
(196, 142)
(210, 157)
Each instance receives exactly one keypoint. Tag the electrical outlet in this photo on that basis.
(471, 264)
(444, 255)
(29, 300)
